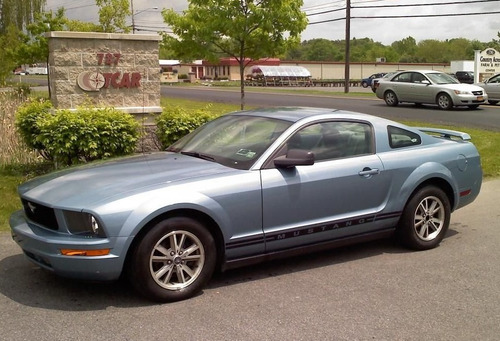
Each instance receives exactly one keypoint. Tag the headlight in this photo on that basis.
(82, 223)
(461, 92)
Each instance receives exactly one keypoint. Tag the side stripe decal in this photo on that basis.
(334, 225)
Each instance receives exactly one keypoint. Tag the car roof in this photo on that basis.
(422, 71)
(295, 114)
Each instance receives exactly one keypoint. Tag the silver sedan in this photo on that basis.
(429, 87)
(492, 87)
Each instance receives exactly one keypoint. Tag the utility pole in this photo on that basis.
(347, 45)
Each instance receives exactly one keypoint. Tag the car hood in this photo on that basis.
(460, 87)
(87, 185)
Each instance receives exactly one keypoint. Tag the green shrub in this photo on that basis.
(87, 134)
(27, 118)
(175, 122)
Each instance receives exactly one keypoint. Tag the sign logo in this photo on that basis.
(90, 81)
(31, 207)
(93, 81)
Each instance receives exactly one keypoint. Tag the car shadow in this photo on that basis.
(310, 261)
(431, 107)
(29, 285)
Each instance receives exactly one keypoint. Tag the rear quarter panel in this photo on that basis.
(456, 162)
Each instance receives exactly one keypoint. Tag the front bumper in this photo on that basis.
(43, 247)
(470, 99)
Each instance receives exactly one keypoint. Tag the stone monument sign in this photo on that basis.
(106, 70)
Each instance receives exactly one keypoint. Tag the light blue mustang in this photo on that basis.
(244, 188)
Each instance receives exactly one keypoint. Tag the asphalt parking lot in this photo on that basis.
(374, 291)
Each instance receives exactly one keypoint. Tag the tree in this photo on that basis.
(113, 14)
(406, 48)
(8, 52)
(36, 48)
(18, 13)
(321, 50)
(245, 30)
(82, 26)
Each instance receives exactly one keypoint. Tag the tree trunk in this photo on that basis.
(242, 83)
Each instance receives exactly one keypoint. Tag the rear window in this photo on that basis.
(400, 138)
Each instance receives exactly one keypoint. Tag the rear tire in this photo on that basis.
(173, 261)
(391, 99)
(364, 84)
(444, 101)
(493, 102)
(425, 219)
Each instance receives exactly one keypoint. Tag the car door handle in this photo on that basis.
(367, 171)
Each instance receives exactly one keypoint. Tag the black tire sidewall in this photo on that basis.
(406, 231)
(450, 102)
(139, 273)
(395, 102)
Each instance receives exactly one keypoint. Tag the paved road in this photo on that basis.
(374, 291)
(486, 117)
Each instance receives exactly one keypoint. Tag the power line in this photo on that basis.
(407, 5)
(424, 15)
(433, 4)
(409, 16)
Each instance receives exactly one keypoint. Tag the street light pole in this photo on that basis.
(133, 13)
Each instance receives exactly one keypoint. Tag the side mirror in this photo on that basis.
(295, 157)
(426, 82)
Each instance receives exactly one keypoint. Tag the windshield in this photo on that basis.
(441, 78)
(235, 141)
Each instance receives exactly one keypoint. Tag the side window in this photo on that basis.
(418, 77)
(335, 139)
(403, 77)
(399, 138)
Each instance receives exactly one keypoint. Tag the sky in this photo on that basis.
(331, 25)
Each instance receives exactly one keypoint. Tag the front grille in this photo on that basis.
(477, 93)
(40, 214)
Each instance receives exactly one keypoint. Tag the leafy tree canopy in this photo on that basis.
(18, 13)
(242, 29)
(406, 50)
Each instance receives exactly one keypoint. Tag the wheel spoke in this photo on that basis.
(180, 273)
(164, 270)
(188, 270)
(191, 249)
(423, 231)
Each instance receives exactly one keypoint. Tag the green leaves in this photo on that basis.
(69, 137)
(242, 29)
(176, 122)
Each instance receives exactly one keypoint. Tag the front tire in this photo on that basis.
(391, 99)
(493, 102)
(173, 261)
(425, 219)
(444, 101)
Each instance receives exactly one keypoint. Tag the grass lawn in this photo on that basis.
(487, 143)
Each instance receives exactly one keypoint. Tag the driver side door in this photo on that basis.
(335, 197)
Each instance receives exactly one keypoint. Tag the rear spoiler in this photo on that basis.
(448, 134)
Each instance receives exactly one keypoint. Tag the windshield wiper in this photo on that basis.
(199, 155)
